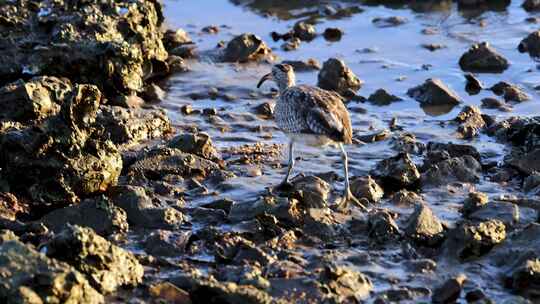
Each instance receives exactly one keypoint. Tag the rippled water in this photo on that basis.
(398, 55)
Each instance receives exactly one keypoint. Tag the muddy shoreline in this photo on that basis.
(137, 158)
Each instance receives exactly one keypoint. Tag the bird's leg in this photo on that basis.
(285, 181)
(348, 197)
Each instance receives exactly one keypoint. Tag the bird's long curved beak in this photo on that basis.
(264, 78)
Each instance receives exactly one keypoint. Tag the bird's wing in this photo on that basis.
(326, 123)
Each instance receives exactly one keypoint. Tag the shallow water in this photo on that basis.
(398, 55)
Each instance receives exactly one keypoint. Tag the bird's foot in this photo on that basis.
(347, 199)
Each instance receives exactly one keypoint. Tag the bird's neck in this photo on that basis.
(284, 85)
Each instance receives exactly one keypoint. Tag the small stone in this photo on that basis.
(211, 29)
(433, 46)
(424, 227)
(398, 171)
(531, 44)
(304, 31)
(406, 198)
(470, 122)
(336, 76)
(381, 98)
(265, 109)
(389, 21)
(291, 45)
(531, 5)
(494, 103)
(450, 291)
(483, 58)
(245, 47)
(313, 190)
(333, 34)
(434, 92)
(382, 227)
(304, 66)
(366, 187)
(475, 201)
(473, 86)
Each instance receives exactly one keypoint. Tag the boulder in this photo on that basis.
(449, 291)
(483, 58)
(336, 76)
(433, 92)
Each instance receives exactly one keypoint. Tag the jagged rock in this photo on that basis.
(167, 243)
(483, 58)
(97, 213)
(304, 31)
(525, 278)
(336, 76)
(470, 122)
(345, 285)
(283, 208)
(60, 159)
(472, 241)
(320, 222)
(195, 143)
(406, 198)
(30, 277)
(382, 98)
(473, 202)
(510, 92)
(522, 132)
(129, 127)
(114, 51)
(245, 47)
(407, 142)
(398, 171)
(141, 211)
(454, 150)
(237, 250)
(531, 44)
(366, 187)
(313, 191)
(434, 92)
(424, 227)
(449, 291)
(473, 85)
(211, 291)
(175, 38)
(461, 169)
(10, 206)
(382, 227)
(107, 266)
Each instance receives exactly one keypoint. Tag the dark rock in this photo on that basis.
(304, 66)
(107, 266)
(381, 98)
(494, 103)
(141, 211)
(333, 34)
(470, 122)
(97, 213)
(526, 278)
(336, 76)
(424, 227)
(129, 127)
(210, 29)
(167, 243)
(531, 184)
(434, 93)
(527, 163)
(165, 291)
(185, 51)
(321, 223)
(374, 137)
(265, 109)
(397, 172)
(237, 250)
(433, 46)
(473, 85)
(407, 142)
(211, 291)
(199, 144)
(475, 201)
(450, 291)
(291, 44)
(389, 21)
(454, 150)
(304, 31)
(283, 208)
(461, 169)
(367, 188)
(224, 204)
(531, 5)
(177, 64)
(61, 159)
(531, 44)
(475, 296)
(483, 58)
(382, 228)
(472, 241)
(422, 265)
(243, 275)
(510, 92)
(175, 38)
(313, 191)
(31, 277)
(406, 198)
(246, 47)
(153, 93)
(345, 285)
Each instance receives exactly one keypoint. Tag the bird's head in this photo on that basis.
(282, 75)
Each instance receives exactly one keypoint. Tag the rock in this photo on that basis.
(195, 143)
(175, 38)
(265, 109)
(366, 187)
(141, 211)
(397, 172)
(333, 34)
(243, 275)
(470, 122)
(473, 86)
(167, 243)
(304, 66)
(507, 213)
(313, 191)
(10, 207)
(116, 52)
(531, 44)
(30, 277)
(475, 201)
(165, 291)
(531, 5)
(304, 31)
(161, 162)
(422, 265)
(210, 29)
(389, 21)
(475, 296)
(60, 159)
(345, 285)
(434, 93)
(407, 142)
(185, 51)
(382, 98)
(531, 184)
(450, 291)
(526, 163)
(291, 45)
(522, 132)
(423, 227)
(454, 150)
(245, 47)
(336, 76)
(510, 92)
(321, 223)
(153, 93)
(382, 227)
(525, 278)
(471, 241)
(97, 213)
(211, 291)
(406, 198)
(177, 64)
(482, 58)
(237, 250)
(283, 208)
(129, 127)
(494, 103)
(464, 169)
(107, 266)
